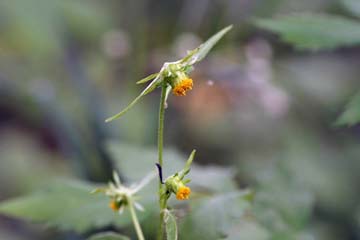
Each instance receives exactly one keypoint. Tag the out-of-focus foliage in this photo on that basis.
(351, 115)
(320, 32)
(314, 31)
(65, 205)
(74, 208)
(215, 217)
(38, 26)
(352, 6)
(108, 236)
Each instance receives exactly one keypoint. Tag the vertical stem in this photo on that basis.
(135, 220)
(162, 202)
(161, 124)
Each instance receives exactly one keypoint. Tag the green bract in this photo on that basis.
(170, 70)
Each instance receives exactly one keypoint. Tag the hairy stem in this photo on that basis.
(135, 220)
(162, 200)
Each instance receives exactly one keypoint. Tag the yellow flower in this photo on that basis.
(115, 206)
(120, 195)
(183, 193)
(174, 74)
(182, 86)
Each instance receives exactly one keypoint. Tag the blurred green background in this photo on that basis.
(259, 106)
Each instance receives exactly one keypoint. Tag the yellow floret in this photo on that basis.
(183, 86)
(183, 193)
(114, 205)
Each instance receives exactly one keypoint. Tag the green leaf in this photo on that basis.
(314, 31)
(148, 78)
(215, 217)
(351, 115)
(248, 230)
(35, 27)
(135, 162)
(170, 226)
(66, 205)
(200, 52)
(108, 236)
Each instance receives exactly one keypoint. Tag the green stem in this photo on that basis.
(135, 220)
(162, 200)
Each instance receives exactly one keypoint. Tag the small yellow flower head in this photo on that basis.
(114, 205)
(175, 185)
(183, 193)
(182, 86)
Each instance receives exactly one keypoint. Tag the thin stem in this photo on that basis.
(162, 201)
(135, 220)
(161, 124)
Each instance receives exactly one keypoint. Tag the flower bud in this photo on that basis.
(175, 185)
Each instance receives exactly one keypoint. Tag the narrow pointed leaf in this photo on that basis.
(170, 226)
(154, 84)
(199, 53)
(108, 236)
(186, 169)
(118, 115)
(148, 78)
(147, 90)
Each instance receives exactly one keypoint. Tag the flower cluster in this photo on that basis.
(174, 75)
(176, 183)
(121, 196)
(183, 193)
(182, 85)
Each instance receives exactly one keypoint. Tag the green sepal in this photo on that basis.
(148, 78)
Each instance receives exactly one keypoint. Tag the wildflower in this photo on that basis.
(183, 193)
(120, 195)
(174, 75)
(176, 183)
(114, 205)
(182, 84)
